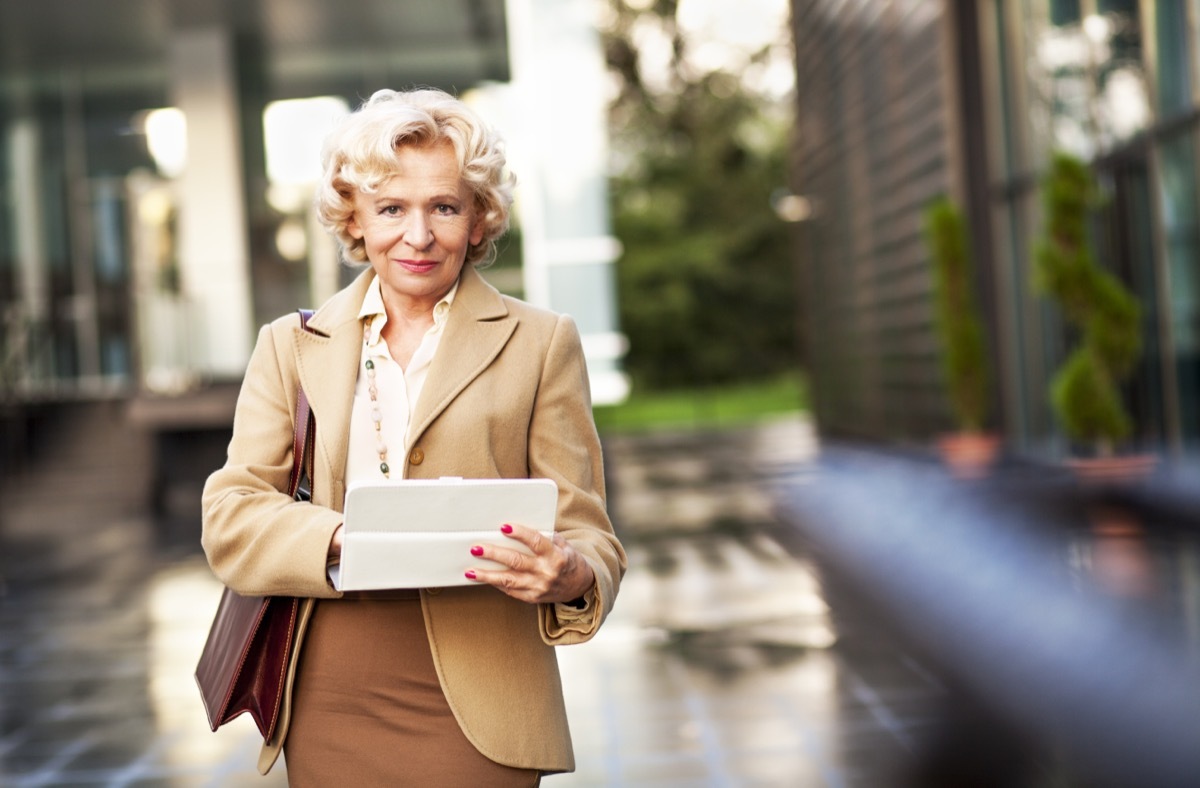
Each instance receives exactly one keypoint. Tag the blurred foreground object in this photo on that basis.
(1064, 674)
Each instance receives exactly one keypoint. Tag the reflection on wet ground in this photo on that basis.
(729, 659)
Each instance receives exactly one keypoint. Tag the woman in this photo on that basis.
(419, 369)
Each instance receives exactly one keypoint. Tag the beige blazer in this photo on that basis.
(507, 397)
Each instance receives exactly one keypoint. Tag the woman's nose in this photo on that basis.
(419, 232)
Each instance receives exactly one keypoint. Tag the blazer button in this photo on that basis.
(416, 456)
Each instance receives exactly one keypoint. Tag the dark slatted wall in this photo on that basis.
(873, 147)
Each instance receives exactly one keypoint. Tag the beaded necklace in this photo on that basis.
(376, 412)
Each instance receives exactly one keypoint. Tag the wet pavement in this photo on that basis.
(728, 661)
(718, 666)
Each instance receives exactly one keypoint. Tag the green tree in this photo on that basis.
(706, 278)
(964, 350)
(1104, 314)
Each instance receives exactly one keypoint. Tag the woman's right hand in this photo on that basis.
(552, 570)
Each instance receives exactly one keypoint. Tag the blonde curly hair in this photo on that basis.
(360, 155)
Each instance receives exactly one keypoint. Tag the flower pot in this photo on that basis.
(969, 454)
(1114, 470)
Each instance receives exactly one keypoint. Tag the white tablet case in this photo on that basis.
(418, 533)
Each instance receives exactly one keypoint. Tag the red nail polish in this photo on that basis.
(470, 574)
(476, 551)
(506, 528)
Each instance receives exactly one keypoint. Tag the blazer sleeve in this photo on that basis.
(258, 540)
(564, 446)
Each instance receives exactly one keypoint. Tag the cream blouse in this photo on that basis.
(398, 390)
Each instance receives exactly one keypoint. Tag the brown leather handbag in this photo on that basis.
(244, 664)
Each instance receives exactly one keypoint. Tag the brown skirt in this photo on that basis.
(367, 708)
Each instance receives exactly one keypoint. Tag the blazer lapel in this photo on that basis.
(478, 328)
(327, 363)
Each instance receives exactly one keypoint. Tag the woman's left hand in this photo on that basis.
(556, 572)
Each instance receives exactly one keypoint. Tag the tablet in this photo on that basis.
(418, 533)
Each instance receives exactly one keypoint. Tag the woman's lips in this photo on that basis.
(418, 266)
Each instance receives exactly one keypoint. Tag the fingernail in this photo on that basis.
(477, 550)
(470, 574)
(506, 528)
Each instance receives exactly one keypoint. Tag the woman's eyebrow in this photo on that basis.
(437, 197)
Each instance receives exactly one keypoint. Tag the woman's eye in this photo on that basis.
(391, 210)
(446, 210)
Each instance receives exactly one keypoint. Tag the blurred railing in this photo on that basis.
(31, 365)
(13, 351)
(1002, 588)
(15, 343)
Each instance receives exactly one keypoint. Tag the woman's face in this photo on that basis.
(417, 227)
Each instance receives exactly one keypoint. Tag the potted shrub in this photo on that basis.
(969, 451)
(1101, 312)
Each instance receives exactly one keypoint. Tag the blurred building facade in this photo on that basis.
(901, 101)
(157, 160)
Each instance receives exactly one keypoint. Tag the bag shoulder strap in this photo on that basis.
(304, 428)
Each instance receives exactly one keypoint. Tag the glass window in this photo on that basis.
(1057, 85)
(1114, 39)
(1064, 12)
(1172, 69)
(1182, 245)
(1072, 75)
(1128, 7)
(1125, 245)
(1086, 78)
(66, 224)
(1005, 69)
